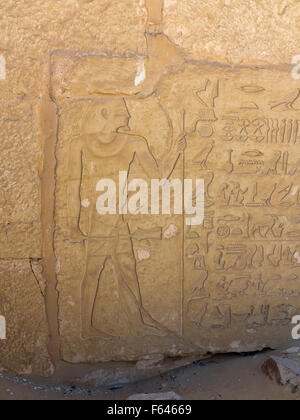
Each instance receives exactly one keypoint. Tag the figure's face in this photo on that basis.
(118, 116)
(107, 118)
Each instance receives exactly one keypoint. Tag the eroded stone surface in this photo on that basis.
(30, 34)
(247, 31)
(21, 303)
(21, 160)
(150, 286)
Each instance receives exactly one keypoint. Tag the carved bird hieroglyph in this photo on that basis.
(202, 157)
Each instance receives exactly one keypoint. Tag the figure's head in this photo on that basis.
(105, 116)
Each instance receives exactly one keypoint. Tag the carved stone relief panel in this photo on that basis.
(132, 284)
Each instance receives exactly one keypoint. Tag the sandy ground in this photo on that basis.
(226, 377)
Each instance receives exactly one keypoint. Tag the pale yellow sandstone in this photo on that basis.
(244, 31)
(186, 89)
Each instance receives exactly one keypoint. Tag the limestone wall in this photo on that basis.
(218, 74)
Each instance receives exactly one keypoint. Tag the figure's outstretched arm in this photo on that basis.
(170, 160)
(146, 158)
(165, 167)
(177, 142)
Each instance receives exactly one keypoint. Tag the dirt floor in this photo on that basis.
(225, 377)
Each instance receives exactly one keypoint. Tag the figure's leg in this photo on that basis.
(94, 269)
(155, 12)
(139, 318)
(155, 9)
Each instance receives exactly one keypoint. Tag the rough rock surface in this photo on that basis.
(150, 286)
(247, 31)
(22, 304)
(30, 33)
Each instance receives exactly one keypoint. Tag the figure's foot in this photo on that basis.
(154, 28)
(200, 293)
(149, 321)
(153, 325)
(91, 332)
(146, 331)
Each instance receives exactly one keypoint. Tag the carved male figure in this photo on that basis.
(105, 148)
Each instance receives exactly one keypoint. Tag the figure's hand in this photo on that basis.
(181, 144)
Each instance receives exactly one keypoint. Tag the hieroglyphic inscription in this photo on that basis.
(247, 250)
